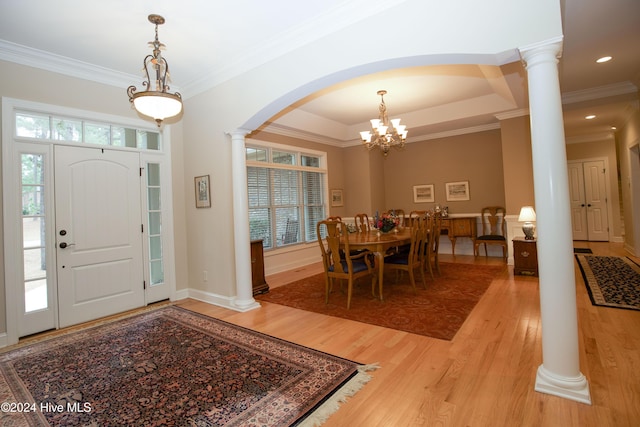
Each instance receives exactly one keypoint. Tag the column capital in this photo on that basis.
(541, 52)
(238, 133)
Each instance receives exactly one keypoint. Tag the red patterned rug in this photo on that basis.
(171, 367)
(438, 311)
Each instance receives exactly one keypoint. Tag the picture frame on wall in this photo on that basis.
(337, 198)
(457, 191)
(203, 191)
(423, 193)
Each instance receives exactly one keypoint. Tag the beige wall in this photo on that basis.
(476, 158)
(517, 164)
(628, 141)
(358, 183)
(602, 150)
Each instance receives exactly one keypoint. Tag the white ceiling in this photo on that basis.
(209, 42)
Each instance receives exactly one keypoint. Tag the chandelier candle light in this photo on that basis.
(384, 133)
(156, 102)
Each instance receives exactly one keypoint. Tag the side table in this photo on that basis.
(525, 256)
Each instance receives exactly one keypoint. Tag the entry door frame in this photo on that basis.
(13, 274)
(607, 181)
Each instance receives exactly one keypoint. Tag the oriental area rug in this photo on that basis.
(171, 367)
(611, 281)
(437, 311)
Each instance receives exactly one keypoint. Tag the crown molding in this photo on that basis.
(457, 132)
(512, 114)
(595, 137)
(307, 136)
(279, 129)
(439, 135)
(622, 88)
(62, 65)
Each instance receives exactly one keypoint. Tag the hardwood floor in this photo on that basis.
(485, 376)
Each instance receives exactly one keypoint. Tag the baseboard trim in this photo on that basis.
(215, 299)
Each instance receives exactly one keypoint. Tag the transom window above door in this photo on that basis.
(40, 126)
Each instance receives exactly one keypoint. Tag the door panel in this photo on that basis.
(98, 232)
(596, 198)
(578, 204)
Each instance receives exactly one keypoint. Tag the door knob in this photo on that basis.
(65, 244)
(582, 205)
(589, 205)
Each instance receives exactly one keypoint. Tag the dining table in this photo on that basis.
(379, 243)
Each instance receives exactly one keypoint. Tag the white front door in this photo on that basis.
(587, 187)
(98, 233)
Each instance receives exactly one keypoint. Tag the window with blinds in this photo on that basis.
(286, 195)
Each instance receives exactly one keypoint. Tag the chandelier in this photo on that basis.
(155, 101)
(384, 133)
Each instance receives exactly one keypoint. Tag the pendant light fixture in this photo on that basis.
(155, 101)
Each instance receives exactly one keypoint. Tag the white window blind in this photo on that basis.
(286, 196)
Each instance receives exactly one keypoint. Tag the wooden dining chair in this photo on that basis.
(292, 229)
(409, 261)
(494, 230)
(337, 259)
(416, 215)
(432, 245)
(362, 223)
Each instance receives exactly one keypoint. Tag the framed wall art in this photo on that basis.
(457, 191)
(203, 192)
(423, 193)
(337, 198)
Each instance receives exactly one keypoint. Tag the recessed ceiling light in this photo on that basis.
(604, 59)
(614, 128)
(591, 116)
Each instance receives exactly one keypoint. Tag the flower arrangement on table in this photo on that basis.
(386, 222)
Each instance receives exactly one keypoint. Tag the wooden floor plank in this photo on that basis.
(483, 377)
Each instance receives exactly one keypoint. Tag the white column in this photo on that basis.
(244, 291)
(559, 373)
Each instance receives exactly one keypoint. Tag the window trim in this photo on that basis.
(298, 151)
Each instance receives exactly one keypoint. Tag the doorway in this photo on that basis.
(589, 198)
(87, 218)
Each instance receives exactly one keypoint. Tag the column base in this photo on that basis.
(576, 389)
(245, 305)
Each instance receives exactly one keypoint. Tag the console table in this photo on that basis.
(456, 227)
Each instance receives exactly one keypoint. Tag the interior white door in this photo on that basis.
(578, 203)
(98, 233)
(596, 199)
(588, 193)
